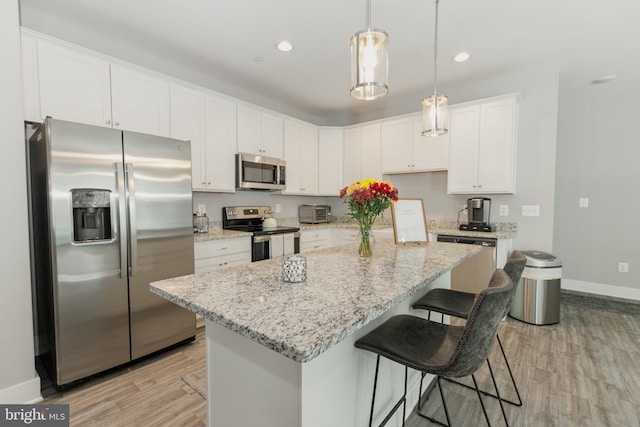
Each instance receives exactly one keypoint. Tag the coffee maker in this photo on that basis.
(479, 211)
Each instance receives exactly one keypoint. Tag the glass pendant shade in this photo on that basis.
(369, 64)
(435, 116)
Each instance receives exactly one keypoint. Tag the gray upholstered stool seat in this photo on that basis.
(447, 301)
(440, 349)
(459, 304)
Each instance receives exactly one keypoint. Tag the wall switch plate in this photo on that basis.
(504, 210)
(202, 209)
(584, 202)
(623, 267)
(530, 210)
(278, 208)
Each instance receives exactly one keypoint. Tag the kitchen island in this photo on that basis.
(281, 354)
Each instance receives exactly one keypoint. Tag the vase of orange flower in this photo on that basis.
(367, 200)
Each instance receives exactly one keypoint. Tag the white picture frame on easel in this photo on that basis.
(409, 221)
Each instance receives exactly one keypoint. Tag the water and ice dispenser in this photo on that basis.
(91, 215)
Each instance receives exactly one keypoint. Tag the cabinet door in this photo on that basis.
(220, 145)
(429, 153)
(397, 139)
(309, 160)
(352, 155)
(187, 122)
(496, 154)
(371, 152)
(140, 102)
(293, 153)
(248, 130)
(463, 150)
(271, 135)
(73, 85)
(330, 161)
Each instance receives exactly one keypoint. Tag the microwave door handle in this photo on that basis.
(133, 233)
(122, 214)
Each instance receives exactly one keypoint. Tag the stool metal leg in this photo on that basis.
(402, 401)
(495, 385)
(513, 380)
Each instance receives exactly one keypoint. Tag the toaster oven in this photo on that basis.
(314, 214)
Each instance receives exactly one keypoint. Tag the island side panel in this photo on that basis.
(250, 385)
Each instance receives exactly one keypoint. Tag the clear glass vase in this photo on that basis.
(365, 242)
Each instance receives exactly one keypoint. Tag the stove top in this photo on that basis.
(258, 230)
(249, 219)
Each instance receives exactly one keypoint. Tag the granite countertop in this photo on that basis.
(219, 234)
(342, 293)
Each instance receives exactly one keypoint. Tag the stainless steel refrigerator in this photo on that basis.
(110, 212)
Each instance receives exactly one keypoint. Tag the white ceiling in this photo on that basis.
(214, 43)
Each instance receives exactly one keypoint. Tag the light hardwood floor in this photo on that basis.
(584, 371)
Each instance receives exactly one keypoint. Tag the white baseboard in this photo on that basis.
(27, 392)
(601, 289)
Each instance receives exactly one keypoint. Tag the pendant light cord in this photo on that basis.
(435, 56)
(369, 15)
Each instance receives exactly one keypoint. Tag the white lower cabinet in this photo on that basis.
(214, 254)
(313, 240)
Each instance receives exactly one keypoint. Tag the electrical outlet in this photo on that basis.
(278, 208)
(623, 267)
(584, 202)
(202, 209)
(504, 210)
(530, 210)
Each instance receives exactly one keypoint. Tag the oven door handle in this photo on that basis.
(261, 239)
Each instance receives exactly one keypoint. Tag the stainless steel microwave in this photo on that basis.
(259, 172)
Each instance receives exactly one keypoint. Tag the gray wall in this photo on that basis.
(18, 380)
(598, 158)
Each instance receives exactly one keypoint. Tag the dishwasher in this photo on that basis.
(473, 274)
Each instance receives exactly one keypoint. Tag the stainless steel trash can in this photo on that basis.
(537, 296)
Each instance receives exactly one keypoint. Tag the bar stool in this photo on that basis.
(459, 304)
(440, 349)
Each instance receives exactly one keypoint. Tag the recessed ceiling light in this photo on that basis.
(603, 79)
(461, 57)
(284, 46)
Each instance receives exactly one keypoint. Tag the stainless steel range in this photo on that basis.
(268, 241)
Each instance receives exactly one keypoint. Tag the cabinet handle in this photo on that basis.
(479, 186)
(223, 249)
(108, 122)
(209, 183)
(116, 123)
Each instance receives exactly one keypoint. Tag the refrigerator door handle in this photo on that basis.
(133, 234)
(122, 214)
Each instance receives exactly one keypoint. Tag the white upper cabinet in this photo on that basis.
(220, 145)
(139, 101)
(330, 163)
(259, 132)
(70, 83)
(209, 123)
(187, 122)
(362, 153)
(404, 149)
(483, 146)
(301, 155)
(73, 85)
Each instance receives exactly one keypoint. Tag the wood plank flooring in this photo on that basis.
(584, 371)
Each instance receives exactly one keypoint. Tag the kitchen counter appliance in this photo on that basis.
(314, 214)
(110, 212)
(260, 172)
(267, 242)
(479, 212)
(474, 274)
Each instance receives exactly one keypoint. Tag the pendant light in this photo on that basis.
(369, 62)
(434, 108)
